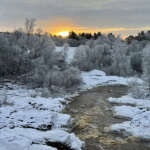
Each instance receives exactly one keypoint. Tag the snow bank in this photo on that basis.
(41, 120)
(41, 147)
(141, 103)
(139, 126)
(33, 120)
(39, 137)
(126, 111)
(94, 72)
(139, 113)
(96, 77)
(14, 142)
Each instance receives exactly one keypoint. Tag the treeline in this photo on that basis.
(142, 36)
(75, 39)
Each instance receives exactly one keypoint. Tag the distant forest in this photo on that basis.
(75, 39)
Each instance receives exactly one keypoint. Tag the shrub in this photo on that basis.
(68, 78)
(12, 60)
(71, 77)
(120, 60)
(45, 92)
(138, 91)
(82, 58)
(4, 101)
(51, 69)
(136, 62)
(104, 55)
(97, 57)
(146, 65)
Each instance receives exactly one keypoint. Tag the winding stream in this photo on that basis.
(92, 115)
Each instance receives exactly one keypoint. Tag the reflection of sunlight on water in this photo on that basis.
(88, 130)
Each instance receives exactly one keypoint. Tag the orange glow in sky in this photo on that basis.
(120, 17)
(62, 27)
(63, 33)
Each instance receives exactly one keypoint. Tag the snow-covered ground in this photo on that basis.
(139, 114)
(33, 120)
(98, 78)
(28, 121)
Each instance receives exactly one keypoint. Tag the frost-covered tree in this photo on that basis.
(146, 64)
(67, 78)
(136, 62)
(82, 58)
(102, 55)
(29, 25)
(4, 54)
(64, 52)
(121, 61)
(51, 69)
(12, 58)
(93, 55)
(139, 91)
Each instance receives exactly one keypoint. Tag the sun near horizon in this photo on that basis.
(63, 33)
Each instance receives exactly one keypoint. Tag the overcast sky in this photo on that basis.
(118, 16)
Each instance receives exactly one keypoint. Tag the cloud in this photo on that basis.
(90, 14)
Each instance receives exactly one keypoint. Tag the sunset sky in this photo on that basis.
(118, 16)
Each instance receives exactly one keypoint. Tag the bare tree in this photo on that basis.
(29, 25)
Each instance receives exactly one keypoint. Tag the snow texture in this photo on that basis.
(33, 119)
(25, 136)
(98, 78)
(41, 147)
(126, 111)
(139, 114)
(141, 103)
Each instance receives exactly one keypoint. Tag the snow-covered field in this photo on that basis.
(138, 113)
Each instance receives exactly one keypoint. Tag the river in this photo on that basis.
(92, 114)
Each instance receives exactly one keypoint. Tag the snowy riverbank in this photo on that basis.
(138, 114)
(26, 121)
(29, 121)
